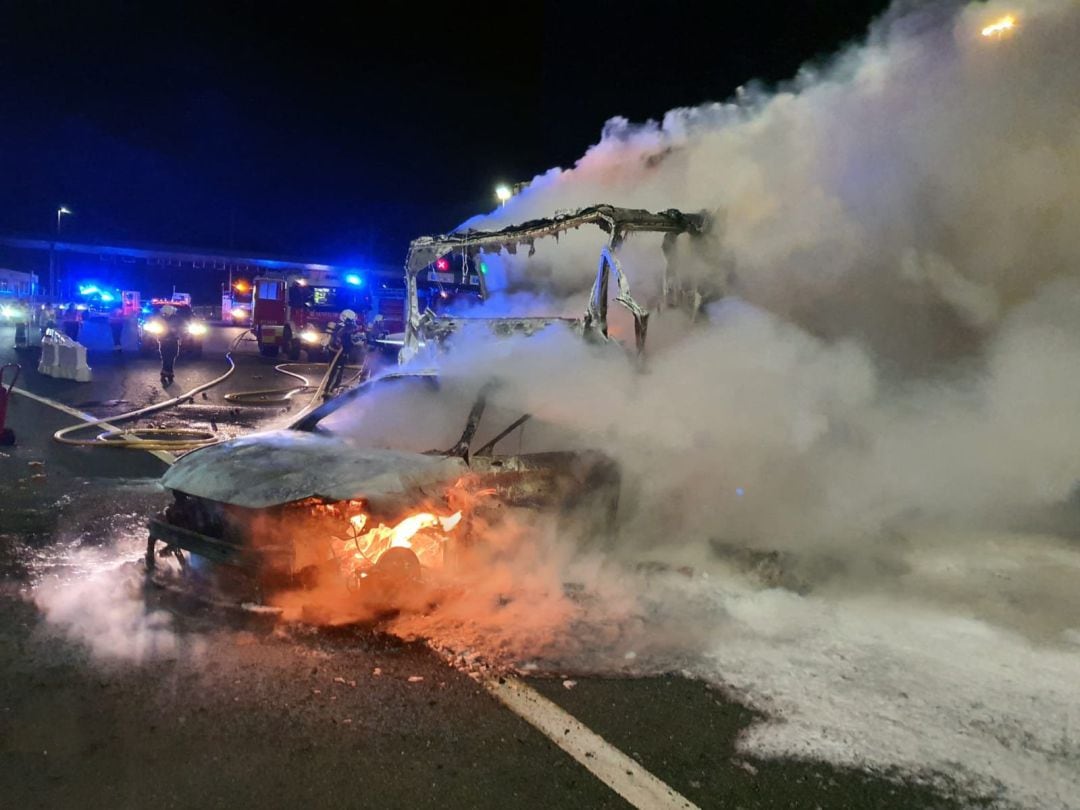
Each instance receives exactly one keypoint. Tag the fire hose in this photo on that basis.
(283, 396)
(169, 439)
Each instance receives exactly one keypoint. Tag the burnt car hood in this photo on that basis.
(277, 467)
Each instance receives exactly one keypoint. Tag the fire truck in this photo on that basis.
(293, 312)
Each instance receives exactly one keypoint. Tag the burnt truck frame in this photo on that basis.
(224, 493)
(426, 328)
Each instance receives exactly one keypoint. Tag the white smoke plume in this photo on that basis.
(883, 406)
(902, 226)
(105, 610)
(909, 193)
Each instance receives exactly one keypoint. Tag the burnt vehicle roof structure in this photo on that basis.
(423, 328)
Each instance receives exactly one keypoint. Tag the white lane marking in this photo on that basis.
(163, 455)
(607, 763)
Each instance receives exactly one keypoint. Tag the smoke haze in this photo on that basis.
(878, 415)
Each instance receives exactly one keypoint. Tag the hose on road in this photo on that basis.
(181, 439)
(270, 397)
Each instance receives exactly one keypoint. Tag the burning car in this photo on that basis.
(290, 509)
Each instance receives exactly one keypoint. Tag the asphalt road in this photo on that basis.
(227, 712)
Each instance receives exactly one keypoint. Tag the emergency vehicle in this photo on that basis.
(236, 303)
(151, 326)
(293, 312)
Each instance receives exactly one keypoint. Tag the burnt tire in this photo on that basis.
(399, 565)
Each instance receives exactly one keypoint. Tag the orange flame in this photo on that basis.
(364, 546)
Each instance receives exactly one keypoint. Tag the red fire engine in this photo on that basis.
(290, 313)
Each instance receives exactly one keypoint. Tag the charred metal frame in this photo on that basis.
(616, 222)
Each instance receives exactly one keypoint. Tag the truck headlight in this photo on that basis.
(239, 313)
(154, 327)
(310, 336)
(196, 329)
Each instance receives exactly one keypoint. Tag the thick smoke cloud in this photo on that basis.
(910, 193)
(878, 415)
(897, 232)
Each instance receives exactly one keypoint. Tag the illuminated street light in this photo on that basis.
(503, 193)
(52, 251)
(1000, 27)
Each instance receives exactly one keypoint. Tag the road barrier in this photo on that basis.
(63, 358)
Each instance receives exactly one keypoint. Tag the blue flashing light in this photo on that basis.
(107, 297)
(89, 289)
(354, 279)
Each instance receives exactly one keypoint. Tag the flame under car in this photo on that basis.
(293, 510)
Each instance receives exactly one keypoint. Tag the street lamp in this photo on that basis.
(52, 253)
(503, 193)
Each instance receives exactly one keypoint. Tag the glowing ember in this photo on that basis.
(1006, 23)
(363, 546)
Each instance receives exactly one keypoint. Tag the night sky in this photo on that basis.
(340, 132)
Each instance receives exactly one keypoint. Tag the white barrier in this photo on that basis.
(63, 358)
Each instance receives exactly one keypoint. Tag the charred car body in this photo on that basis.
(290, 508)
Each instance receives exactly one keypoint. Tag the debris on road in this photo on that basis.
(746, 766)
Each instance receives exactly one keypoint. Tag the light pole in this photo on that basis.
(502, 194)
(52, 253)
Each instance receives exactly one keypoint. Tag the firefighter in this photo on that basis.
(72, 322)
(169, 342)
(116, 327)
(348, 335)
(48, 319)
(376, 330)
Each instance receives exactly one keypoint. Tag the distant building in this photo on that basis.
(15, 284)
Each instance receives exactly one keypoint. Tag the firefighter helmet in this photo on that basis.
(348, 315)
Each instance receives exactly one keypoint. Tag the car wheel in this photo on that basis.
(268, 350)
(399, 565)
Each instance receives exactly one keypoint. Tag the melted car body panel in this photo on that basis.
(276, 467)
